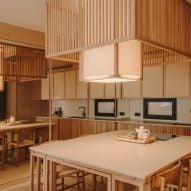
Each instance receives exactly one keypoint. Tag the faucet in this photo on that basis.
(84, 111)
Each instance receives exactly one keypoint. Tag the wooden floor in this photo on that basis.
(17, 179)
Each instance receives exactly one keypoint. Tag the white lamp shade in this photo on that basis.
(97, 63)
(129, 59)
(101, 64)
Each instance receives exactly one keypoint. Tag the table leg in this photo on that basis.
(32, 159)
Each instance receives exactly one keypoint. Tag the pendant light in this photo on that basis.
(119, 62)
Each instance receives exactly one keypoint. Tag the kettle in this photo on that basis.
(142, 133)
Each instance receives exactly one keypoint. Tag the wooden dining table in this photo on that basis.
(101, 154)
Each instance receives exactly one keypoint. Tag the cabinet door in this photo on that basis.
(45, 88)
(177, 80)
(82, 88)
(153, 81)
(110, 90)
(59, 85)
(70, 85)
(96, 90)
(132, 89)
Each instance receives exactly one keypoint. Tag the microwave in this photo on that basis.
(105, 107)
(160, 108)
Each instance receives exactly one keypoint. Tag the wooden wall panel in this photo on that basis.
(165, 23)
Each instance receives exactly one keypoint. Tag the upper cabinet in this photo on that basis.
(96, 90)
(70, 84)
(59, 85)
(132, 89)
(45, 88)
(82, 88)
(153, 81)
(177, 80)
(110, 90)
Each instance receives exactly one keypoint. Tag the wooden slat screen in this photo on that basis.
(165, 23)
(153, 56)
(74, 25)
(18, 63)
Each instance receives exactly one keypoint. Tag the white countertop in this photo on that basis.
(104, 153)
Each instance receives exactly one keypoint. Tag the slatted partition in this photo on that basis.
(165, 23)
(18, 63)
(74, 25)
(153, 56)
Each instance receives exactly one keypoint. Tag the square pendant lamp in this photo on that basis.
(120, 62)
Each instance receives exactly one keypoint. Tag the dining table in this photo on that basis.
(102, 154)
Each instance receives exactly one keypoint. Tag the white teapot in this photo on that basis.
(142, 133)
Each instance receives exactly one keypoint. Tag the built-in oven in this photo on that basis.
(105, 107)
(160, 108)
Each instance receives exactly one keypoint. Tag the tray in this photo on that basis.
(130, 138)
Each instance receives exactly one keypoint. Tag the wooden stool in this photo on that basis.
(170, 176)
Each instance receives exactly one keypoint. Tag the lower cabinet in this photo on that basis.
(72, 128)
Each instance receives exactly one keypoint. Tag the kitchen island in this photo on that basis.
(116, 160)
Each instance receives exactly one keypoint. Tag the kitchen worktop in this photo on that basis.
(125, 120)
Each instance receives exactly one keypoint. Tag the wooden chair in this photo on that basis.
(187, 170)
(170, 176)
(75, 177)
(21, 138)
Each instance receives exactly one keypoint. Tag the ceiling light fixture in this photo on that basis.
(120, 62)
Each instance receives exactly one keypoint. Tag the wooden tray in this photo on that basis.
(127, 138)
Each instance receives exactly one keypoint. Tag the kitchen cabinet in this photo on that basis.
(153, 82)
(45, 88)
(59, 85)
(96, 90)
(132, 89)
(110, 90)
(177, 80)
(70, 84)
(82, 88)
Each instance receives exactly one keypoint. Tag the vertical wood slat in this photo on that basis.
(164, 23)
(153, 56)
(22, 63)
(81, 24)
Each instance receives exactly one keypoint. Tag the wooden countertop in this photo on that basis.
(4, 126)
(102, 152)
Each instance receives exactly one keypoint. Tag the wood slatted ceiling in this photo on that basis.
(74, 25)
(153, 56)
(165, 23)
(21, 63)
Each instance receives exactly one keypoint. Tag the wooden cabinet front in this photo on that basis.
(70, 85)
(132, 89)
(153, 81)
(96, 90)
(82, 88)
(177, 80)
(45, 88)
(59, 87)
(110, 89)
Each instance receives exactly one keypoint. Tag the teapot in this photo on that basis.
(142, 133)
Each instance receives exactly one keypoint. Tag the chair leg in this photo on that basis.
(17, 156)
(83, 181)
(94, 182)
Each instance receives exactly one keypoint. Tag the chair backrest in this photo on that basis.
(186, 160)
(172, 175)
